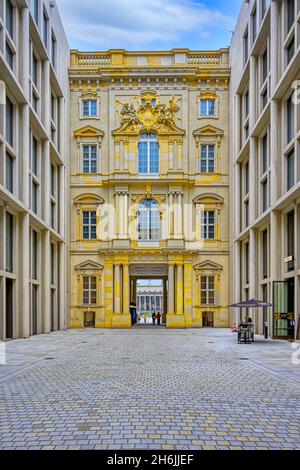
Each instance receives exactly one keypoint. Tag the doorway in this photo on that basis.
(208, 319)
(284, 310)
(89, 320)
(9, 308)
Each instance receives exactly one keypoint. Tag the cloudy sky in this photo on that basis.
(148, 24)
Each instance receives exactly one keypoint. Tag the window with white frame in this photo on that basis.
(89, 225)
(89, 153)
(207, 290)
(148, 221)
(89, 108)
(207, 158)
(207, 107)
(208, 225)
(89, 290)
(148, 160)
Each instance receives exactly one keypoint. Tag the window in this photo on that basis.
(290, 14)
(53, 50)
(247, 263)
(265, 254)
(264, 154)
(265, 188)
(34, 156)
(89, 225)
(290, 50)
(291, 239)
(9, 56)
(34, 256)
(247, 178)
(246, 98)
(148, 221)
(207, 108)
(207, 290)
(9, 119)
(9, 172)
(89, 158)
(35, 10)
(148, 163)
(264, 98)
(207, 159)
(254, 24)
(246, 46)
(290, 164)
(290, 119)
(89, 290)
(53, 214)
(246, 207)
(52, 263)
(34, 197)
(53, 180)
(9, 18)
(89, 108)
(9, 242)
(265, 68)
(263, 8)
(45, 29)
(208, 223)
(35, 70)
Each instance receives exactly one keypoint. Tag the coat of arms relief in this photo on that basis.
(147, 113)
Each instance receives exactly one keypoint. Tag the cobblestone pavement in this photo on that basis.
(148, 389)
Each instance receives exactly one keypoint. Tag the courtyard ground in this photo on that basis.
(149, 388)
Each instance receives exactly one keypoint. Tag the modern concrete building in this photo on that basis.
(34, 156)
(265, 150)
(149, 184)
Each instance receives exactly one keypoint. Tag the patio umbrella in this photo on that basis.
(253, 303)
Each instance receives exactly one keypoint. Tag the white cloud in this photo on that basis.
(138, 24)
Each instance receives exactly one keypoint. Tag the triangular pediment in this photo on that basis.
(209, 130)
(88, 131)
(89, 266)
(208, 266)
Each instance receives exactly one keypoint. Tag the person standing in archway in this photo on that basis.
(153, 317)
(158, 316)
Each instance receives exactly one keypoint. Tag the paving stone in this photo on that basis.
(149, 389)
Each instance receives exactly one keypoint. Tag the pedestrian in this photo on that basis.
(153, 318)
(158, 316)
(145, 318)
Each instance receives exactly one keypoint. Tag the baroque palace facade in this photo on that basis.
(149, 185)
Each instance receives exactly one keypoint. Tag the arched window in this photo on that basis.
(148, 221)
(148, 155)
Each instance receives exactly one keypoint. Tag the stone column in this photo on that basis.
(180, 213)
(165, 298)
(63, 208)
(23, 300)
(274, 257)
(62, 286)
(171, 215)
(274, 46)
(273, 146)
(45, 281)
(117, 210)
(117, 289)
(179, 290)
(171, 289)
(125, 215)
(126, 280)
